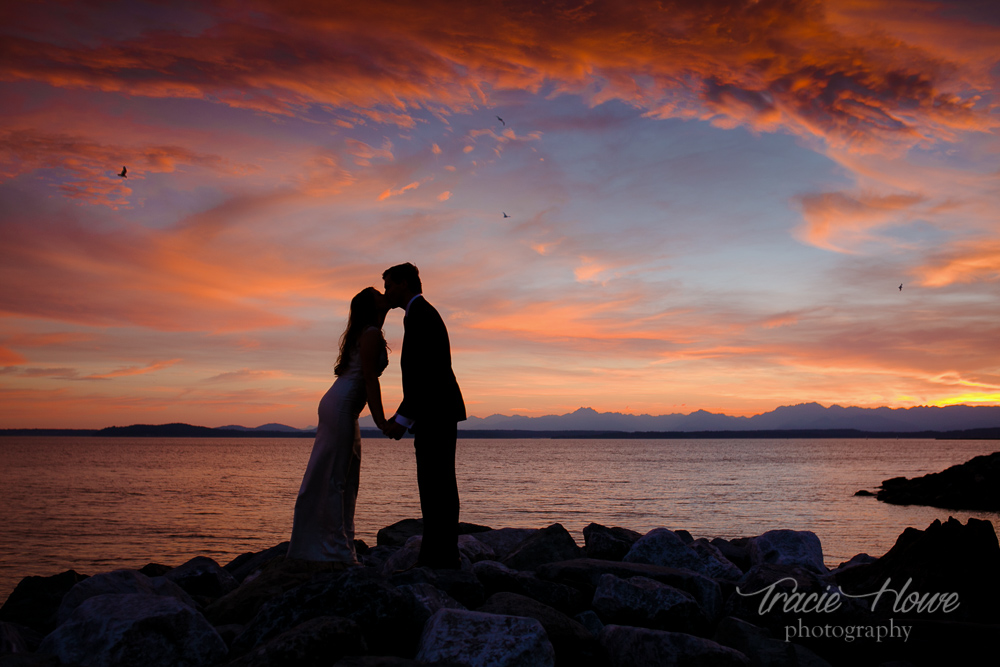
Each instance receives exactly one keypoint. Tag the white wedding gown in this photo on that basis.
(323, 525)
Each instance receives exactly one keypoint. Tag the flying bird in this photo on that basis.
(124, 170)
(501, 120)
(900, 287)
(505, 214)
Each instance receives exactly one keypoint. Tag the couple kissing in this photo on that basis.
(432, 406)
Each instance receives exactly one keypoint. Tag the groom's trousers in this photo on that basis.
(434, 445)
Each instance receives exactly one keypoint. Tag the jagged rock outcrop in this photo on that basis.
(973, 485)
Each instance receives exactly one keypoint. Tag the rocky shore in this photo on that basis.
(527, 597)
(973, 485)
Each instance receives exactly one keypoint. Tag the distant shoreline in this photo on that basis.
(190, 431)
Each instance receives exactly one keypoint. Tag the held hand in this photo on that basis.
(393, 429)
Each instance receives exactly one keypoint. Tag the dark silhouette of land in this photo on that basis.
(190, 431)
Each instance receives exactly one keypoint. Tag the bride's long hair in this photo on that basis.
(364, 314)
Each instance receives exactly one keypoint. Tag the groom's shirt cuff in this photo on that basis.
(400, 419)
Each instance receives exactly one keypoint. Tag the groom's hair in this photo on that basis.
(404, 273)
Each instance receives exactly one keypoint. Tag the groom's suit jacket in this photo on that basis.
(430, 390)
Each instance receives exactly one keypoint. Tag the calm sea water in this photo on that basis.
(96, 504)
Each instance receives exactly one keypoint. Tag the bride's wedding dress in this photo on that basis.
(323, 525)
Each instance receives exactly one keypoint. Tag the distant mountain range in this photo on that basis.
(809, 420)
(805, 416)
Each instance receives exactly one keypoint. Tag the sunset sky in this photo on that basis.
(712, 205)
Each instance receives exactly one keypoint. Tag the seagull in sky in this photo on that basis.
(900, 287)
(501, 120)
(505, 214)
(124, 170)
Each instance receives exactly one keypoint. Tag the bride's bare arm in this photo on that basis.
(372, 345)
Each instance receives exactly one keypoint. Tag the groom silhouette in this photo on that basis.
(431, 408)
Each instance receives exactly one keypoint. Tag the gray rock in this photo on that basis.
(647, 603)
(426, 599)
(471, 639)
(736, 551)
(35, 601)
(504, 540)
(204, 577)
(463, 586)
(359, 594)
(402, 558)
(799, 548)
(378, 556)
(641, 647)
(548, 545)
(474, 549)
(397, 534)
(574, 644)
(16, 638)
(860, 559)
(590, 620)
(134, 629)
(715, 563)
(608, 543)
(498, 578)
(665, 548)
(119, 582)
(246, 564)
(276, 577)
(585, 574)
(761, 648)
(314, 643)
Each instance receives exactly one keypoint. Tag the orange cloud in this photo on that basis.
(966, 262)
(837, 221)
(395, 193)
(132, 370)
(91, 169)
(768, 65)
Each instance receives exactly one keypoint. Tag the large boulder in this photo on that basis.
(799, 548)
(585, 574)
(359, 594)
(945, 558)
(574, 645)
(246, 564)
(461, 585)
(35, 601)
(498, 578)
(641, 647)
(134, 629)
(548, 545)
(119, 582)
(761, 648)
(665, 548)
(736, 551)
(277, 576)
(203, 577)
(471, 638)
(398, 533)
(973, 485)
(504, 540)
(608, 543)
(425, 600)
(314, 643)
(647, 603)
